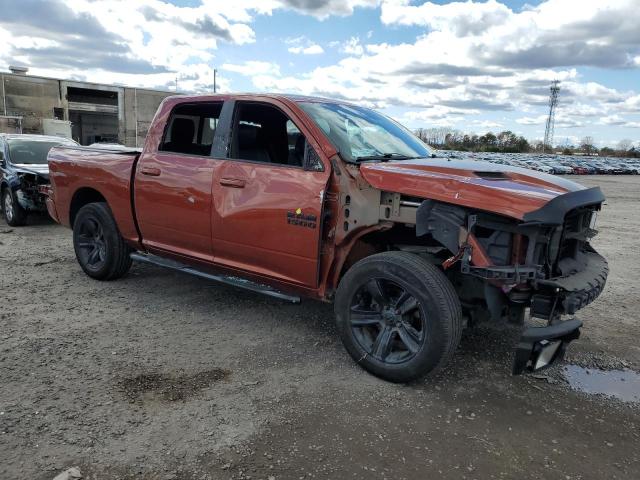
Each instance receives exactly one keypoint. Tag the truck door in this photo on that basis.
(268, 196)
(173, 184)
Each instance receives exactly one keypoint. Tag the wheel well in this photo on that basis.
(399, 237)
(83, 197)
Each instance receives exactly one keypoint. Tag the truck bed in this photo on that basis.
(78, 172)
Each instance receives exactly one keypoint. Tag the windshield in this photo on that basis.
(30, 152)
(361, 134)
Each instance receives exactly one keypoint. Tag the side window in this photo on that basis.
(191, 128)
(263, 133)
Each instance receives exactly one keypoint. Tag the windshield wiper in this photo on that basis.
(384, 157)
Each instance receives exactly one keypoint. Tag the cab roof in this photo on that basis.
(292, 97)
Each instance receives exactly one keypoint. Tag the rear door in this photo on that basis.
(173, 184)
(268, 196)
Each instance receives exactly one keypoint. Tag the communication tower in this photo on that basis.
(551, 119)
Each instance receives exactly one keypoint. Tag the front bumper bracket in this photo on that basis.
(539, 347)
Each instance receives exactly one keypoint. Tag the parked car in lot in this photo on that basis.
(304, 197)
(23, 168)
(578, 169)
(559, 169)
(634, 167)
(539, 166)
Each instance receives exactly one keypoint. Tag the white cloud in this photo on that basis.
(470, 58)
(562, 120)
(323, 9)
(463, 18)
(489, 125)
(251, 68)
(243, 10)
(145, 42)
(538, 120)
(552, 34)
(352, 47)
(619, 121)
(483, 56)
(314, 49)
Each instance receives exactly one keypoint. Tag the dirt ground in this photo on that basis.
(165, 376)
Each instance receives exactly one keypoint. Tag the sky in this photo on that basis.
(476, 66)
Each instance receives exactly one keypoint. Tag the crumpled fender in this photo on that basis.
(501, 189)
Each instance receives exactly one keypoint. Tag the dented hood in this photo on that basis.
(501, 189)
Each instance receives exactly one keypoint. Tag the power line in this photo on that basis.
(551, 119)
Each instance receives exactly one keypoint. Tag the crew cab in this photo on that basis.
(297, 196)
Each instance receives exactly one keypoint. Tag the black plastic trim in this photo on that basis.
(529, 345)
(553, 213)
(226, 279)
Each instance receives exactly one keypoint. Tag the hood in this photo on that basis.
(41, 169)
(502, 189)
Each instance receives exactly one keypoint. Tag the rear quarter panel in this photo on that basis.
(108, 172)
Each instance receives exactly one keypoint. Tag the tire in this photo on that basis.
(100, 249)
(14, 214)
(398, 316)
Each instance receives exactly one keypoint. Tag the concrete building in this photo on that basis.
(97, 112)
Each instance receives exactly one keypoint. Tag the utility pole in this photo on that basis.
(215, 72)
(551, 119)
(176, 84)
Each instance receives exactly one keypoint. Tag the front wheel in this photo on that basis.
(14, 214)
(100, 249)
(398, 316)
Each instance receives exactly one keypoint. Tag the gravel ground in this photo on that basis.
(164, 376)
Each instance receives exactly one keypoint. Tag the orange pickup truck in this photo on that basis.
(296, 197)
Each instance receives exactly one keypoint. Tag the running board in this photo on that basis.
(228, 280)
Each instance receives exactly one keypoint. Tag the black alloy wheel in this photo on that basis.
(91, 244)
(100, 249)
(387, 321)
(398, 315)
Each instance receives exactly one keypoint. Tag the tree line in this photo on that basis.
(444, 138)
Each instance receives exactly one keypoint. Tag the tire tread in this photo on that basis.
(121, 263)
(440, 289)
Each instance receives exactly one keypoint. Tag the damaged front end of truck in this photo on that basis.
(544, 263)
(509, 242)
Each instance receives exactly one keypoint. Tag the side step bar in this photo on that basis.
(234, 281)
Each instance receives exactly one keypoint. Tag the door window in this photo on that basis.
(265, 134)
(191, 128)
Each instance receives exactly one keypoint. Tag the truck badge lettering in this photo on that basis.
(301, 220)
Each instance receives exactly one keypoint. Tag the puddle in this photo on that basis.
(170, 388)
(621, 384)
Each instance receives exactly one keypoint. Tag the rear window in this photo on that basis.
(191, 128)
(32, 152)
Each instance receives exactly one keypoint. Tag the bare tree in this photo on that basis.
(436, 136)
(625, 145)
(587, 144)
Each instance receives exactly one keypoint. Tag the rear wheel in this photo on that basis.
(398, 316)
(100, 249)
(14, 214)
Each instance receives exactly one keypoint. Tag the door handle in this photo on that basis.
(233, 182)
(152, 172)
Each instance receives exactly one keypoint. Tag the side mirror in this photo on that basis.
(2, 162)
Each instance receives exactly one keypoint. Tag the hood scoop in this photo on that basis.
(492, 175)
